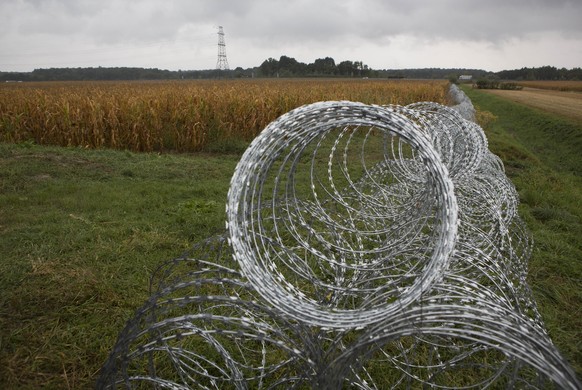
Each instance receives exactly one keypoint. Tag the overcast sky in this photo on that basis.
(384, 34)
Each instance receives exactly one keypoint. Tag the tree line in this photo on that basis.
(287, 67)
(290, 67)
(541, 73)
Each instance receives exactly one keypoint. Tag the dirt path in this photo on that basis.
(568, 104)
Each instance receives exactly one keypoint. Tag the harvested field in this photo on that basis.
(557, 85)
(568, 104)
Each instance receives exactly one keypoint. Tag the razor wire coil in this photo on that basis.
(358, 237)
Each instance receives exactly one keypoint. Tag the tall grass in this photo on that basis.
(182, 116)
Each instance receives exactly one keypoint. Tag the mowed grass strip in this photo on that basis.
(542, 155)
(81, 232)
(566, 104)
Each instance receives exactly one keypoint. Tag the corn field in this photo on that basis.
(182, 116)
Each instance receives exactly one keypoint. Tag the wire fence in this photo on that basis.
(366, 247)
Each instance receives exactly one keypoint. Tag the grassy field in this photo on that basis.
(541, 153)
(563, 103)
(82, 230)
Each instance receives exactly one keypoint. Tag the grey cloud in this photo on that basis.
(495, 21)
(323, 26)
(286, 21)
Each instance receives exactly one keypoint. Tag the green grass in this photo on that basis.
(542, 154)
(81, 232)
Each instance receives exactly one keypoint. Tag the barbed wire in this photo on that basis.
(366, 246)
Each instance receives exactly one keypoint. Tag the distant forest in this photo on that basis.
(289, 67)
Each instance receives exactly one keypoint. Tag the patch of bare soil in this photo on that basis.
(568, 104)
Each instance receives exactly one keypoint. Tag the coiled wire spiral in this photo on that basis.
(366, 246)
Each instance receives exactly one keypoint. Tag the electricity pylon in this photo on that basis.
(222, 62)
